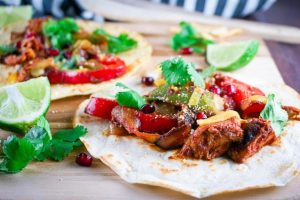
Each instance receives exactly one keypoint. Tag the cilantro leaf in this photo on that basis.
(38, 136)
(7, 49)
(117, 44)
(70, 64)
(60, 32)
(209, 71)
(43, 123)
(274, 112)
(188, 37)
(18, 153)
(177, 71)
(62, 143)
(129, 97)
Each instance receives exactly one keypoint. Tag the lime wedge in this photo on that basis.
(14, 14)
(23, 103)
(231, 56)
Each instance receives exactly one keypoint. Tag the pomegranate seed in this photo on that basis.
(53, 52)
(84, 159)
(148, 108)
(30, 35)
(230, 90)
(215, 89)
(201, 115)
(68, 54)
(147, 80)
(19, 44)
(186, 51)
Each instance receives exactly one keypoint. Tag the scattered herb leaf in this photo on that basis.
(129, 97)
(177, 71)
(7, 49)
(209, 71)
(188, 37)
(274, 112)
(117, 44)
(60, 32)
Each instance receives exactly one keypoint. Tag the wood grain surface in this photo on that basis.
(66, 180)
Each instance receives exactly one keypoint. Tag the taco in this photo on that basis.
(198, 134)
(78, 57)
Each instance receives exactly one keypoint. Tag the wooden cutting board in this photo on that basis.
(66, 180)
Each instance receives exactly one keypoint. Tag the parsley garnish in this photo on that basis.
(274, 112)
(188, 37)
(38, 144)
(7, 49)
(60, 32)
(179, 72)
(117, 44)
(129, 97)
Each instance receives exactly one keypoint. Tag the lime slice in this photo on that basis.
(23, 103)
(231, 56)
(14, 14)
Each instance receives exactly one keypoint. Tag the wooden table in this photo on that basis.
(66, 180)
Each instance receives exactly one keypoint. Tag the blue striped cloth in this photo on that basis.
(75, 8)
(224, 8)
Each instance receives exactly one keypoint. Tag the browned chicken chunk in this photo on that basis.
(212, 140)
(257, 133)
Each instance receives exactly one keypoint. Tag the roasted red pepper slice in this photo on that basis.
(243, 90)
(100, 107)
(113, 67)
(154, 123)
(253, 110)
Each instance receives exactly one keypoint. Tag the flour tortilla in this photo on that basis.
(137, 161)
(134, 59)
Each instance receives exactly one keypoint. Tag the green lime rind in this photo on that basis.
(22, 104)
(14, 14)
(245, 57)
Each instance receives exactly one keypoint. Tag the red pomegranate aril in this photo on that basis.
(230, 90)
(147, 80)
(53, 52)
(19, 44)
(30, 35)
(186, 51)
(215, 89)
(68, 54)
(201, 115)
(148, 108)
(84, 159)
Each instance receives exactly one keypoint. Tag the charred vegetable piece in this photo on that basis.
(112, 68)
(154, 123)
(197, 99)
(252, 106)
(257, 134)
(127, 118)
(212, 140)
(174, 138)
(242, 90)
(100, 107)
(171, 94)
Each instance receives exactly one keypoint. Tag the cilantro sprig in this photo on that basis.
(117, 44)
(177, 71)
(129, 97)
(274, 112)
(7, 49)
(60, 32)
(38, 144)
(188, 37)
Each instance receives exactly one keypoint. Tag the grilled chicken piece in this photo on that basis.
(257, 134)
(175, 138)
(212, 140)
(293, 112)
